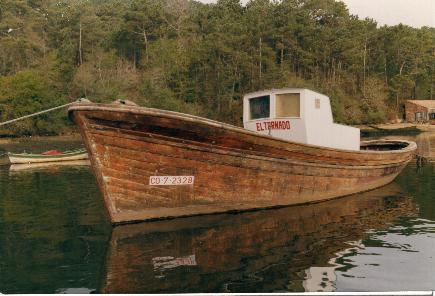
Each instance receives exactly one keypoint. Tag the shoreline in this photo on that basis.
(394, 128)
(72, 136)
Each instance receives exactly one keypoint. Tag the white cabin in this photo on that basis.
(298, 115)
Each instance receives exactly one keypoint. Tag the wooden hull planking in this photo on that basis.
(234, 169)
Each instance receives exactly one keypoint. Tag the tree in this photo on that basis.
(198, 58)
(24, 93)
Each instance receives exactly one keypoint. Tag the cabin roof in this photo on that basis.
(273, 90)
(430, 104)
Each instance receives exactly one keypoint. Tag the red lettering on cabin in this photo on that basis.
(273, 125)
(258, 126)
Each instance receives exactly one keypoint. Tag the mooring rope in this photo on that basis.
(39, 113)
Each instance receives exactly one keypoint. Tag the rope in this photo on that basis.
(38, 113)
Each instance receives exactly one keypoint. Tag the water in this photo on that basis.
(55, 237)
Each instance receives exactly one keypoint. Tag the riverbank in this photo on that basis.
(68, 137)
(394, 129)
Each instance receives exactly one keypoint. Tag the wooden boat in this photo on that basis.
(152, 163)
(48, 156)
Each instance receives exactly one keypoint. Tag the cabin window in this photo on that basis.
(432, 115)
(317, 104)
(259, 107)
(288, 105)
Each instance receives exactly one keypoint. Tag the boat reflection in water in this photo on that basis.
(270, 250)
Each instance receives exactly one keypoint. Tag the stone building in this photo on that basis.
(420, 111)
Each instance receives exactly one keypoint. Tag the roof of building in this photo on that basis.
(430, 104)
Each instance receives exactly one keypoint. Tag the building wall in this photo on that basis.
(411, 109)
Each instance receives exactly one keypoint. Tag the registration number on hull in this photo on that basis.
(172, 180)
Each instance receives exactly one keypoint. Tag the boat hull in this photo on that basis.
(233, 169)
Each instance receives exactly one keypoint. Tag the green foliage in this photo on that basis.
(198, 58)
(27, 92)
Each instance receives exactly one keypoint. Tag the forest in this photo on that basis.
(197, 58)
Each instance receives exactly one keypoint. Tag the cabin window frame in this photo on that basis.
(276, 104)
(270, 107)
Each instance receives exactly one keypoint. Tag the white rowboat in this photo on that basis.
(15, 158)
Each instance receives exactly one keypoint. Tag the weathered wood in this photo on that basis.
(234, 169)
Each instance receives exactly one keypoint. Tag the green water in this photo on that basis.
(55, 237)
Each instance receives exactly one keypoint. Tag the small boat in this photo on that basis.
(30, 167)
(48, 156)
(154, 164)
